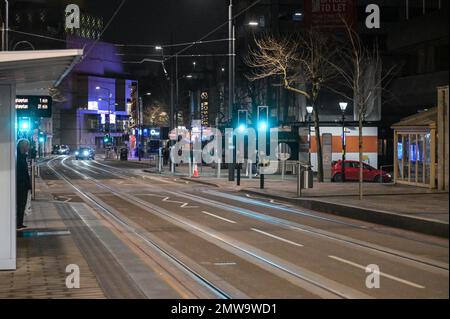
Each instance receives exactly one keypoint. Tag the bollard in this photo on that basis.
(219, 173)
(250, 169)
(283, 170)
(299, 180)
(33, 179)
(160, 161)
(238, 167)
(190, 168)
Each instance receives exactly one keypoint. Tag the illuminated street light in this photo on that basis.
(343, 106)
(253, 23)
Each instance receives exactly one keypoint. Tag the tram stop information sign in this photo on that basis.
(34, 106)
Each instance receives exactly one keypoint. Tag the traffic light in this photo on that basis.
(263, 118)
(242, 120)
(107, 139)
(24, 124)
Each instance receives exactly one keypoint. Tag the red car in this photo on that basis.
(352, 173)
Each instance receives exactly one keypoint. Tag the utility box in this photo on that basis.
(124, 154)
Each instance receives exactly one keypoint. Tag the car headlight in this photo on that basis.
(77, 153)
(86, 153)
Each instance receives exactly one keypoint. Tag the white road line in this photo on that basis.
(186, 205)
(224, 264)
(406, 282)
(276, 237)
(221, 218)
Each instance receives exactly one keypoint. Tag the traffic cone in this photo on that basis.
(195, 171)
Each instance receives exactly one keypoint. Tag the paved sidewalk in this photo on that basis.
(43, 253)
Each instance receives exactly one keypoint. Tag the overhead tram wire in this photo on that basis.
(171, 45)
(40, 36)
(189, 45)
(66, 41)
(215, 29)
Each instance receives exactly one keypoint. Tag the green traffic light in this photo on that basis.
(263, 126)
(24, 125)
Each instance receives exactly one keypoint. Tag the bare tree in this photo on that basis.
(301, 64)
(155, 115)
(363, 78)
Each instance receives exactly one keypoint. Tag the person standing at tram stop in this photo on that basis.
(23, 181)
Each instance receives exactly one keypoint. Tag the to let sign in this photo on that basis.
(34, 106)
(329, 13)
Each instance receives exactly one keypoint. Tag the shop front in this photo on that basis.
(421, 152)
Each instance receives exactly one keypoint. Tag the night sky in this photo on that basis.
(153, 21)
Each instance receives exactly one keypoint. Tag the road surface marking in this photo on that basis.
(272, 201)
(276, 237)
(171, 201)
(225, 264)
(221, 218)
(406, 282)
(185, 205)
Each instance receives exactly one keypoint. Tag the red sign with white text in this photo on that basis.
(329, 13)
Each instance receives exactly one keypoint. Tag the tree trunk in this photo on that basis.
(361, 165)
(320, 177)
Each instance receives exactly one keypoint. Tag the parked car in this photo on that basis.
(85, 153)
(370, 173)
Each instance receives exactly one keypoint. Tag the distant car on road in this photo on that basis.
(61, 150)
(64, 150)
(370, 173)
(85, 153)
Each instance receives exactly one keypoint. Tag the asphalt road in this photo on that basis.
(243, 246)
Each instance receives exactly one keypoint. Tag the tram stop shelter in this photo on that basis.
(22, 73)
(421, 152)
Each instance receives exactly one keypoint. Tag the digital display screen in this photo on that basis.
(34, 106)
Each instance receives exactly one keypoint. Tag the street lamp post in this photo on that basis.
(231, 82)
(140, 133)
(5, 36)
(309, 110)
(343, 106)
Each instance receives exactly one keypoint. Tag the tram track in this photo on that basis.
(277, 267)
(89, 171)
(90, 199)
